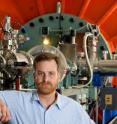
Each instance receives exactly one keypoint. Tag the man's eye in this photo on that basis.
(40, 73)
(51, 73)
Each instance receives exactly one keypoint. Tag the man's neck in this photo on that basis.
(47, 100)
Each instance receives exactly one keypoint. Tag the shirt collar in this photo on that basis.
(35, 96)
(59, 103)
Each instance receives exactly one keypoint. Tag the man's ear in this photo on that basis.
(34, 76)
(59, 77)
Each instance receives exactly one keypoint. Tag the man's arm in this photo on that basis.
(4, 112)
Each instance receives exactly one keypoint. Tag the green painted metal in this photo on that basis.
(33, 28)
(55, 22)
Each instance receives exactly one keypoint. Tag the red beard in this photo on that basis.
(46, 87)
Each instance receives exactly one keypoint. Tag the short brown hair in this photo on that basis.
(46, 56)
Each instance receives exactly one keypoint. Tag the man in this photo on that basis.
(44, 106)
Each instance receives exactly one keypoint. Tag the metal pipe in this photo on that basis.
(105, 63)
(101, 65)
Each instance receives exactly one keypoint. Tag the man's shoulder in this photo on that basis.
(69, 100)
(70, 105)
(15, 94)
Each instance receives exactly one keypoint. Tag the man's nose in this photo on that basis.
(45, 77)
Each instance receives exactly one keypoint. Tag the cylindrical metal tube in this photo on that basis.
(106, 63)
(102, 65)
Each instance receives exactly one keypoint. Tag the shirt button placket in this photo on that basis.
(46, 117)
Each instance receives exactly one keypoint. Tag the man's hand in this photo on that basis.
(4, 112)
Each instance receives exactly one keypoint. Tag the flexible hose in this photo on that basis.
(87, 60)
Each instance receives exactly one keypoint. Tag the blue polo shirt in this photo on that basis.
(26, 108)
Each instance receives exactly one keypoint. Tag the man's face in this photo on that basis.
(46, 76)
